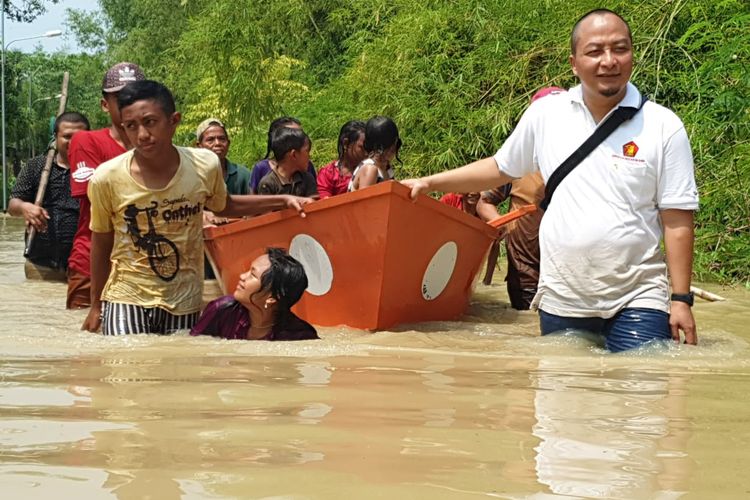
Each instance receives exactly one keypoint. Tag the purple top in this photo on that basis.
(263, 167)
(227, 318)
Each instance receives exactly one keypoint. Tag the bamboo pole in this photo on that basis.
(705, 295)
(44, 179)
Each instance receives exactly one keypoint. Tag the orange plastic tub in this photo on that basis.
(374, 258)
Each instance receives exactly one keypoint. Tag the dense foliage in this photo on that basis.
(454, 74)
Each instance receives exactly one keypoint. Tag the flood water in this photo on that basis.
(482, 408)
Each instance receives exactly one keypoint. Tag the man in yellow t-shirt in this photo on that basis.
(146, 218)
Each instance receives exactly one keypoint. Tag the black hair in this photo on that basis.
(595, 12)
(278, 123)
(380, 134)
(285, 139)
(351, 132)
(146, 90)
(285, 279)
(71, 117)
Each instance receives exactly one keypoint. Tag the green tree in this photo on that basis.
(455, 75)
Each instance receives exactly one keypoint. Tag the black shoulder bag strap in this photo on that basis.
(620, 115)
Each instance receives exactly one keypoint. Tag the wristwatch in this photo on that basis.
(687, 298)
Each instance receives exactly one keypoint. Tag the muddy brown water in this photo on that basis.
(481, 408)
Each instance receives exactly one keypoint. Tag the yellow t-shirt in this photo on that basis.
(157, 256)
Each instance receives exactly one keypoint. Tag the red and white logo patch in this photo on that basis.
(83, 172)
(630, 149)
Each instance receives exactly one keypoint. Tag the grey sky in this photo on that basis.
(53, 19)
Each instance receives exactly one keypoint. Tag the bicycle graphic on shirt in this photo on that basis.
(163, 256)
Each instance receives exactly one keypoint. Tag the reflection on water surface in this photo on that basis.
(477, 409)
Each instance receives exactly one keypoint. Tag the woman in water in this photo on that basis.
(260, 307)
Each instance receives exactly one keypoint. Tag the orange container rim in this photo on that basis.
(382, 188)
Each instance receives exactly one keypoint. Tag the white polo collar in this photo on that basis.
(632, 96)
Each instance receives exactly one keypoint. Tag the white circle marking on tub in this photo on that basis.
(439, 271)
(313, 257)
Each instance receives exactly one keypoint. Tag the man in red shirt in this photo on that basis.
(87, 151)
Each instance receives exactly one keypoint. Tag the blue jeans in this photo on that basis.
(630, 328)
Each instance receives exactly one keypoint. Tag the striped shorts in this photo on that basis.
(125, 319)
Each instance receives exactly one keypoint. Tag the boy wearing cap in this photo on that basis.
(146, 220)
(87, 151)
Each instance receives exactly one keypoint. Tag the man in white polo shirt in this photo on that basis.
(602, 269)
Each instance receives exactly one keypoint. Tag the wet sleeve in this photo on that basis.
(27, 182)
(101, 205)
(311, 186)
(324, 184)
(294, 328)
(217, 200)
(311, 170)
(516, 156)
(498, 195)
(451, 199)
(256, 174)
(244, 180)
(266, 186)
(84, 156)
(677, 188)
(204, 325)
